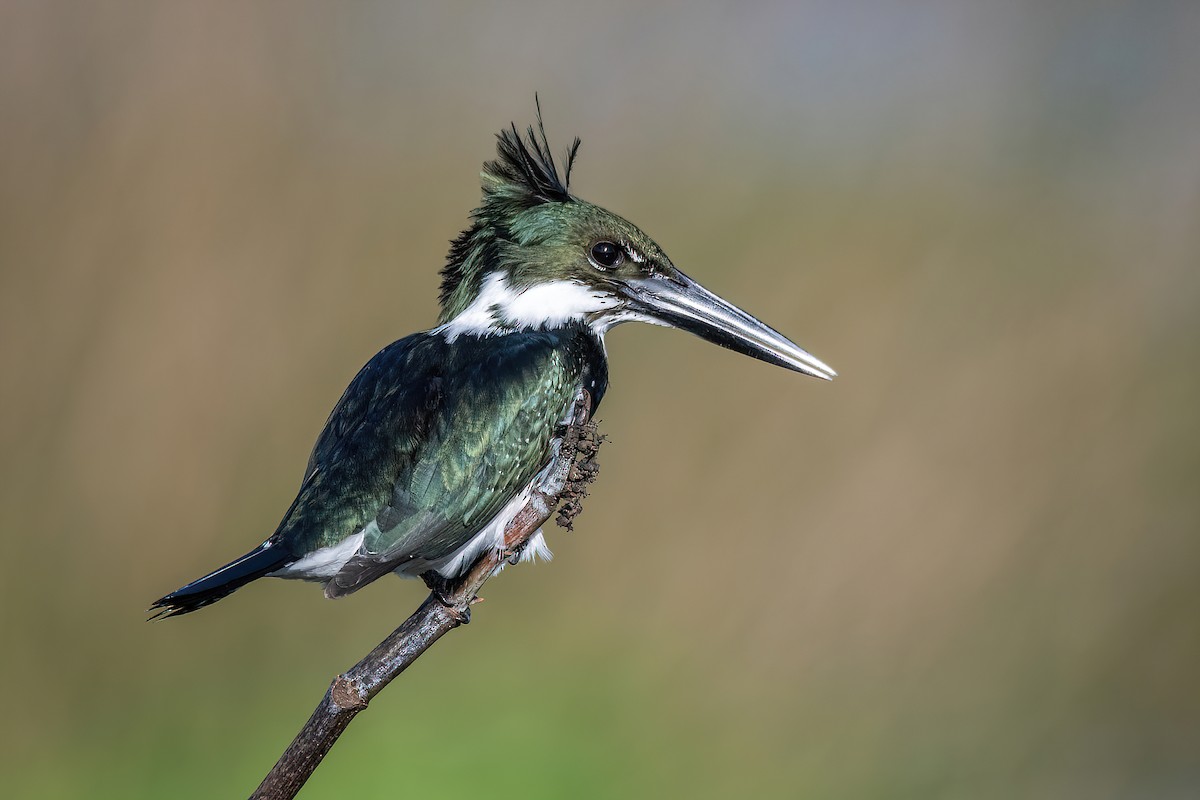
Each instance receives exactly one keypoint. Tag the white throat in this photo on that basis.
(500, 308)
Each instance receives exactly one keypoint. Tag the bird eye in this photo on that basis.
(607, 255)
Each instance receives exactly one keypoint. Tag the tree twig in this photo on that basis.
(447, 607)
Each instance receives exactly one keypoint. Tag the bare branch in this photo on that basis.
(446, 607)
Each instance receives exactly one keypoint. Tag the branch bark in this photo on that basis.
(447, 607)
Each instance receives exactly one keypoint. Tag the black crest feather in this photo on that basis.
(526, 164)
(522, 175)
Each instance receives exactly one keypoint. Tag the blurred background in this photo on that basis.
(968, 568)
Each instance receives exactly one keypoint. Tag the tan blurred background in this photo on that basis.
(969, 568)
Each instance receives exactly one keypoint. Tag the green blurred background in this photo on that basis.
(968, 568)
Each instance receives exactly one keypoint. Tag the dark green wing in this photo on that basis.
(373, 433)
(428, 444)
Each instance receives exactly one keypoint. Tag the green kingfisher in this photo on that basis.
(438, 441)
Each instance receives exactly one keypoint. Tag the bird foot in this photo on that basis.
(440, 588)
(511, 555)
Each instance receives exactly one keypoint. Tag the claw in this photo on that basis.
(439, 588)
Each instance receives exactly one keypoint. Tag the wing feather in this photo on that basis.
(428, 444)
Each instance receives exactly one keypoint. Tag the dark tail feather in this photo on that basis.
(229, 578)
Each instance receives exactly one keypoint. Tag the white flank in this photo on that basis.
(546, 305)
(324, 563)
(491, 537)
(536, 548)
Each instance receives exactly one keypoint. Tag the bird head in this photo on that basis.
(537, 256)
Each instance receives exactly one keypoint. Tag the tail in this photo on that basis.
(267, 557)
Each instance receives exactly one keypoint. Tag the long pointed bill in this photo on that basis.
(679, 302)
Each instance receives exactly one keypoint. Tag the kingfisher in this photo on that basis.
(439, 440)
